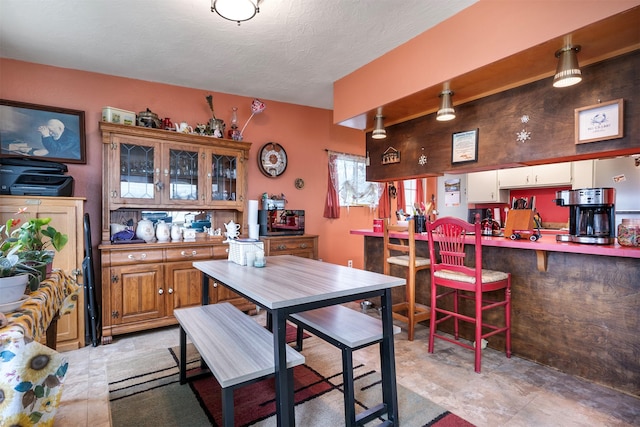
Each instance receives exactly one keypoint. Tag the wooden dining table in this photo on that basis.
(290, 284)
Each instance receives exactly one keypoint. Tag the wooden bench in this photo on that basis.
(348, 330)
(236, 349)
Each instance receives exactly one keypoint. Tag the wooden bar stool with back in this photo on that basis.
(407, 311)
(454, 274)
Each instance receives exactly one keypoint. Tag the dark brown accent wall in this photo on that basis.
(498, 118)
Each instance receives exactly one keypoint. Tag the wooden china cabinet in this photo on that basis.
(156, 170)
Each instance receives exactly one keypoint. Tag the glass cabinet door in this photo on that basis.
(137, 171)
(224, 178)
(183, 175)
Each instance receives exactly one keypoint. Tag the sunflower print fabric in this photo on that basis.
(32, 374)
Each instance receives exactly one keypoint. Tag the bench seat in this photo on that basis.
(235, 348)
(348, 330)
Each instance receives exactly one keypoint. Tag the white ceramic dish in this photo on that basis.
(12, 306)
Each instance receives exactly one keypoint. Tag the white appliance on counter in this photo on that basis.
(622, 174)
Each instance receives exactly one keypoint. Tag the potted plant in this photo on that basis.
(36, 238)
(14, 273)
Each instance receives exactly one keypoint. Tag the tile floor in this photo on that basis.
(508, 392)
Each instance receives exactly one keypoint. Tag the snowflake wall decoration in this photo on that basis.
(523, 135)
(422, 160)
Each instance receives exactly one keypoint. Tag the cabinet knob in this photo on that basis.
(170, 290)
(186, 254)
(303, 246)
(160, 291)
(133, 257)
(159, 185)
(215, 284)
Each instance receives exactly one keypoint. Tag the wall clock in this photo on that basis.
(272, 159)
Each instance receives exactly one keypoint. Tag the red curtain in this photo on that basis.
(401, 203)
(384, 204)
(332, 204)
(419, 192)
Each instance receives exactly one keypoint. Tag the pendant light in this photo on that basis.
(379, 131)
(446, 111)
(568, 72)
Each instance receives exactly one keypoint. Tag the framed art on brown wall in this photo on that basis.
(599, 122)
(464, 147)
(43, 132)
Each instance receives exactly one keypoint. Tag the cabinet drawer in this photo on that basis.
(189, 253)
(290, 245)
(220, 251)
(135, 256)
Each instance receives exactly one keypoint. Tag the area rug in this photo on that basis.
(144, 390)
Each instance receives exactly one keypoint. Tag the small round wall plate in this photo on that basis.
(272, 159)
(299, 183)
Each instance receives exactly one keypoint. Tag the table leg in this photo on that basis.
(205, 289)
(389, 388)
(284, 393)
(183, 356)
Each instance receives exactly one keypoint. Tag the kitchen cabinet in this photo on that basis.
(66, 215)
(482, 187)
(536, 176)
(583, 174)
(305, 246)
(158, 170)
(143, 283)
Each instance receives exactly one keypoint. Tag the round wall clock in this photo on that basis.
(272, 159)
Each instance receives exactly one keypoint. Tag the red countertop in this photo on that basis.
(546, 243)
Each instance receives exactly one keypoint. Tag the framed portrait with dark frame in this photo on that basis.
(41, 132)
(464, 147)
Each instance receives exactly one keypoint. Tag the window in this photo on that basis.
(409, 195)
(352, 186)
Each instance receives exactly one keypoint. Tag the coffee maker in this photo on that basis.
(591, 215)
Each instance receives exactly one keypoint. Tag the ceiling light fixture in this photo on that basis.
(446, 111)
(379, 131)
(236, 10)
(568, 72)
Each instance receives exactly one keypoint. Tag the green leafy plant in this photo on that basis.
(11, 263)
(36, 238)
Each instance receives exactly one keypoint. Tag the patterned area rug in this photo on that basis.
(144, 391)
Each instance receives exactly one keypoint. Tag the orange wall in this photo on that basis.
(481, 34)
(304, 132)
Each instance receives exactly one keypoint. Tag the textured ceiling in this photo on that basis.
(292, 51)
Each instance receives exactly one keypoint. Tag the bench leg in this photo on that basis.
(349, 392)
(183, 356)
(227, 407)
(299, 335)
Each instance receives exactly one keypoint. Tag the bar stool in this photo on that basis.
(450, 276)
(415, 312)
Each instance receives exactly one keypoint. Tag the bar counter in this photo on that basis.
(575, 307)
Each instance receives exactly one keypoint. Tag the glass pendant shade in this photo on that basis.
(236, 10)
(446, 111)
(379, 131)
(568, 72)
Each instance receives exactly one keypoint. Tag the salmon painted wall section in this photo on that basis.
(481, 34)
(304, 132)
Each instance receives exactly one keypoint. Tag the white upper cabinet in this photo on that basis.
(482, 187)
(536, 176)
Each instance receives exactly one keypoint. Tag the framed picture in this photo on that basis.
(599, 122)
(464, 147)
(43, 132)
